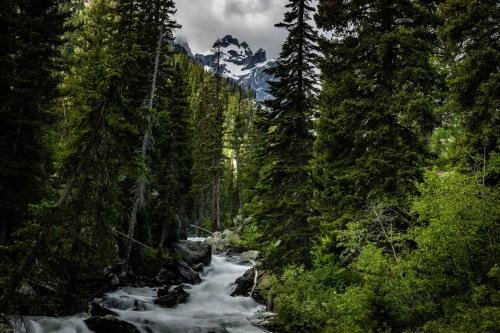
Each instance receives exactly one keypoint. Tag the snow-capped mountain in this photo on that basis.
(240, 64)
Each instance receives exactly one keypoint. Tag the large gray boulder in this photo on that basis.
(188, 274)
(170, 297)
(110, 324)
(244, 284)
(194, 252)
(259, 290)
(99, 310)
(263, 288)
(250, 256)
(221, 242)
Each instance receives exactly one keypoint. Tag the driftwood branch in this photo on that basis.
(197, 227)
(131, 239)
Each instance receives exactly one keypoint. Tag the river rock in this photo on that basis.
(110, 324)
(188, 274)
(194, 252)
(198, 267)
(250, 256)
(98, 310)
(121, 303)
(223, 241)
(232, 236)
(168, 276)
(244, 284)
(264, 284)
(163, 291)
(171, 297)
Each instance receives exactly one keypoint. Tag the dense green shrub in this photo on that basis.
(448, 282)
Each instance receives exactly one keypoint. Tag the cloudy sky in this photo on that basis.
(203, 21)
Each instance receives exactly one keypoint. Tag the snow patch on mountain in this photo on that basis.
(240, 64)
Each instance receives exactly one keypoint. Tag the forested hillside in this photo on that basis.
(369, 183)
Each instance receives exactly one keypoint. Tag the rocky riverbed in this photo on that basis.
(198, 295)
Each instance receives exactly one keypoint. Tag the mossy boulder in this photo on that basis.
(194, 252)
(264, 283)
(154, 261)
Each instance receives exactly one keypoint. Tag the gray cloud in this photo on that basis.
(243, 7)
(252, 21)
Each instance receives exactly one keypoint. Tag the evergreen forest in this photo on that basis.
(368, 186)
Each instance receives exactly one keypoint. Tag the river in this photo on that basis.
(209, 307)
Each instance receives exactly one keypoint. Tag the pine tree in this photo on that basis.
(30, 62)
(172, 159)
(470, 32)
(207, 153)
(376, 107)
(239, 132)
(283, 192)
(217, 137)
(105, 119)
(154, 30)
(77, 228)
(253, 153)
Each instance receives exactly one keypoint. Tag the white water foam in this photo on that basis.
(209, 308)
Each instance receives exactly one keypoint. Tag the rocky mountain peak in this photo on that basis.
(180, 44)
(238, 61)
(228, 40)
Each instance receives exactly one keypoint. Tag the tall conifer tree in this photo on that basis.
(30, 62)
(172, 159)
(470, 32)
(283, 191)
(154, 25)
(376, 106)
(207, 151)
(101, 117)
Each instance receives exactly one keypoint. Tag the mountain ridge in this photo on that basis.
(238, 63)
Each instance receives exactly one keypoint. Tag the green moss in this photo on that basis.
(157, 256)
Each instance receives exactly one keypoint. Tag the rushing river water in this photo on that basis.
(209, 308)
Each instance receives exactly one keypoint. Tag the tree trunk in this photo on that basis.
(141, 186)
(216, 223)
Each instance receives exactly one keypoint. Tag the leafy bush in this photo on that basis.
(317, 301)
(447, 281)
(299, 301)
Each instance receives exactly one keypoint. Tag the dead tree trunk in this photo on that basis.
(139, 199)
(239, 136)
(216, 203)
(216, 223)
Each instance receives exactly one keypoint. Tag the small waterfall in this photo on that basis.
(209, 308)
